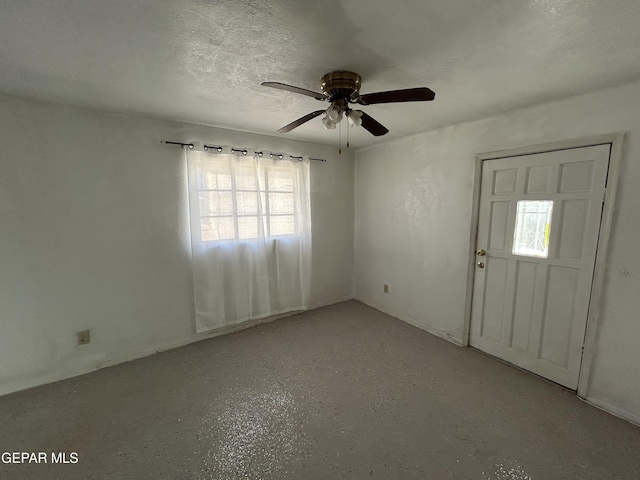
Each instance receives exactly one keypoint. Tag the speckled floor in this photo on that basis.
(340, 392)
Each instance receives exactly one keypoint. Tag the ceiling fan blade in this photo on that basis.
(300, 121)
(420, 94)
(291, 88)
(373, 126)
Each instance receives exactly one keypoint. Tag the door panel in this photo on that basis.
(562, 284)
(537, 179)
(572, 229)
(494, 299)
(526, 275)
(539, 221)
(505, 181)
(499, 225)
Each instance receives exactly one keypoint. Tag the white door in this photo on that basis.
(538, 229)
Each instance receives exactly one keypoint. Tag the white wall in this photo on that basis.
(94, 235)
(413, 221)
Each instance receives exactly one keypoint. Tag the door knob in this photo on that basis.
(480, 264)
(481, 253)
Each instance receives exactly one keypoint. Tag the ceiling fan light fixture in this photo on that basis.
(354, 117)
(328, 124)
(334, 114)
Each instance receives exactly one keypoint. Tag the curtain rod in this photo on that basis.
(244, 151)
(188, 145)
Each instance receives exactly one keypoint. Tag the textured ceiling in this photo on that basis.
(203, 61)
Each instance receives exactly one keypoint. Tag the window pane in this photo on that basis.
(217, 228)
(247, 227)
(282, 225)
(261, 178)
(233, 201)
(533, 222)
(280, 181)
(280, 203)
(246, 182)
(211, 180)
(215, 203)
(247, 203)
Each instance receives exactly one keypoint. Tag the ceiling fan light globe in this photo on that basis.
(334, 114)
(354, 117)
(354, 122)
(328, 124)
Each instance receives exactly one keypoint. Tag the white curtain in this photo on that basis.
(250, 235)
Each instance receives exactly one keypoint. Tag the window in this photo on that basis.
(243, 203)
(533, 224)
(240, 201)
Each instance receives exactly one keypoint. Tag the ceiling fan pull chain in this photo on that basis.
(347, 136)
(340, 139)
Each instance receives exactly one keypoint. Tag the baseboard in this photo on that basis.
(218, 332)
(45, 378)
(618, 412)
(77, 370)
(416, 323)
(332, 302)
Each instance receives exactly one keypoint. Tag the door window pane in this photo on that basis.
(533, 222)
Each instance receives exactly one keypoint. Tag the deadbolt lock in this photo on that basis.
(480, 264)
(481, 253)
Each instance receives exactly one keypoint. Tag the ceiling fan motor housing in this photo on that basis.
(341, 87)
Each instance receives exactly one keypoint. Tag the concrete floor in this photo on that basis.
(340, 392)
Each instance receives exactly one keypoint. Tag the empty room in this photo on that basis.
(319, 240)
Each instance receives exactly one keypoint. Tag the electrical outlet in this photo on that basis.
(386, 288)
(84, 337)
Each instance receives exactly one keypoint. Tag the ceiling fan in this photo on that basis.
(341, 88)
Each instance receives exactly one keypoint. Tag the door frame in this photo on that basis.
(597, 286)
